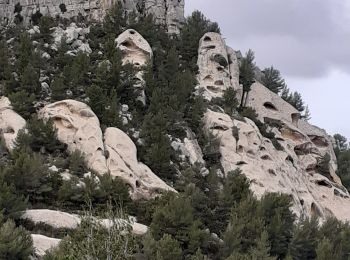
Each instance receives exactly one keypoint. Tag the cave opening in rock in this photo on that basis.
(207, 39)
(295, 118)
(270, 106)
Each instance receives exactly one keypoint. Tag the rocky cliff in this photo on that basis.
(291, 166)
(169, 12)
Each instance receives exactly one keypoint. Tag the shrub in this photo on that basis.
(63, 8)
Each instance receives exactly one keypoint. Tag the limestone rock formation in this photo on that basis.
(169, 13)
(79, 128)
(122, 162)
(63, 220)
(291, 170)
(218, 66)
(42, 244)
(136, 51)
(10, 123)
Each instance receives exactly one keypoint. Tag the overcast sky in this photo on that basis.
(307, 40)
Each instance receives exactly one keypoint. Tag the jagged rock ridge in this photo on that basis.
(169, 12)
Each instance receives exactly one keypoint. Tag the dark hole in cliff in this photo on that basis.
(127, 44)
(272, 172)
(213, 89)
(324, 183)
(210, 47)
(219, 83)
(289, 158)
(132, 32)
(302, 202)
(295, 118)
(315, 212)
(319, 141)
(220, 69)
(270, 106)
(63, 8)
(241, 163)
(138, 184)
(265, 157)
(207, 39)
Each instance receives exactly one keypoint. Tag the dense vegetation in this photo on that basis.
(212, 216)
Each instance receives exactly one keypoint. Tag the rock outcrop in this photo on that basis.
(63, 220)
(169, 13)
(283, 171)
(136, 51)
(218, 66)
(122, 162)
(43, 244)
(79, 128)
(10, 123)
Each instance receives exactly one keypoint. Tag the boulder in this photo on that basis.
(42, 244)
(63, 220)
(79, 128)
(10, 123)
(122, 162)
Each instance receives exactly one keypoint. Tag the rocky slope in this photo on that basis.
(291, 169)
(169, 12)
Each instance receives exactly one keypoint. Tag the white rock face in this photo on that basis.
(79, 128)
(137, 51)
(63, 220)
(291, 171)
(218, 66)
(169, 13)
(122, 162)
(10, 123)
(42, 244)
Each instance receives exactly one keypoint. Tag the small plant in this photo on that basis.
(63, 8)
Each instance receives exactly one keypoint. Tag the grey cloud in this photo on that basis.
(304, 38)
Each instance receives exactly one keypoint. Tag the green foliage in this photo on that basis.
(246, 75)
(58, 89)
(115, 21)
(77, 164)
(15, 242)
(230, 101)
(31, 178)
(166, 248)
(192, 31)
(293, 98)
(11, 204)
(116, 242)
(279, 220)
(273, 80)
(22, 103)
(304, 243)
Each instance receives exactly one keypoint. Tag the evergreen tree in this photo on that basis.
(58, 89)
(230, 103)
(24, 51)
(97, 100)
(246, 75)
(272, 80)
(324, 250)
(22, 103)
(15, 243)
(168, 249)
(193, 30)
(30, 80)
(245, 227)
(279, 221)
(304, 243)
(115, 21)
(262, 249)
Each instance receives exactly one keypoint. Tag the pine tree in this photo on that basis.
(30, 80)
(58, 89)
(97, 100)
(230, 101)
(246, 75)
(15, 243)
(307, 114)
(262, 249)
(168, 249)
(272, 80)
(304, 243)
(22, 103)
(279, 220)
(324, 250)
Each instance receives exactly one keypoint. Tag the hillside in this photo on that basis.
(131, 132)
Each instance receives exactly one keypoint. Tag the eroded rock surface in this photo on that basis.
(169, 12)
(42, 244)
(136, 51)
(10, 123)
(291, 170)
(63, 220)
(122, 162)
(218, 66)
(79, 128)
